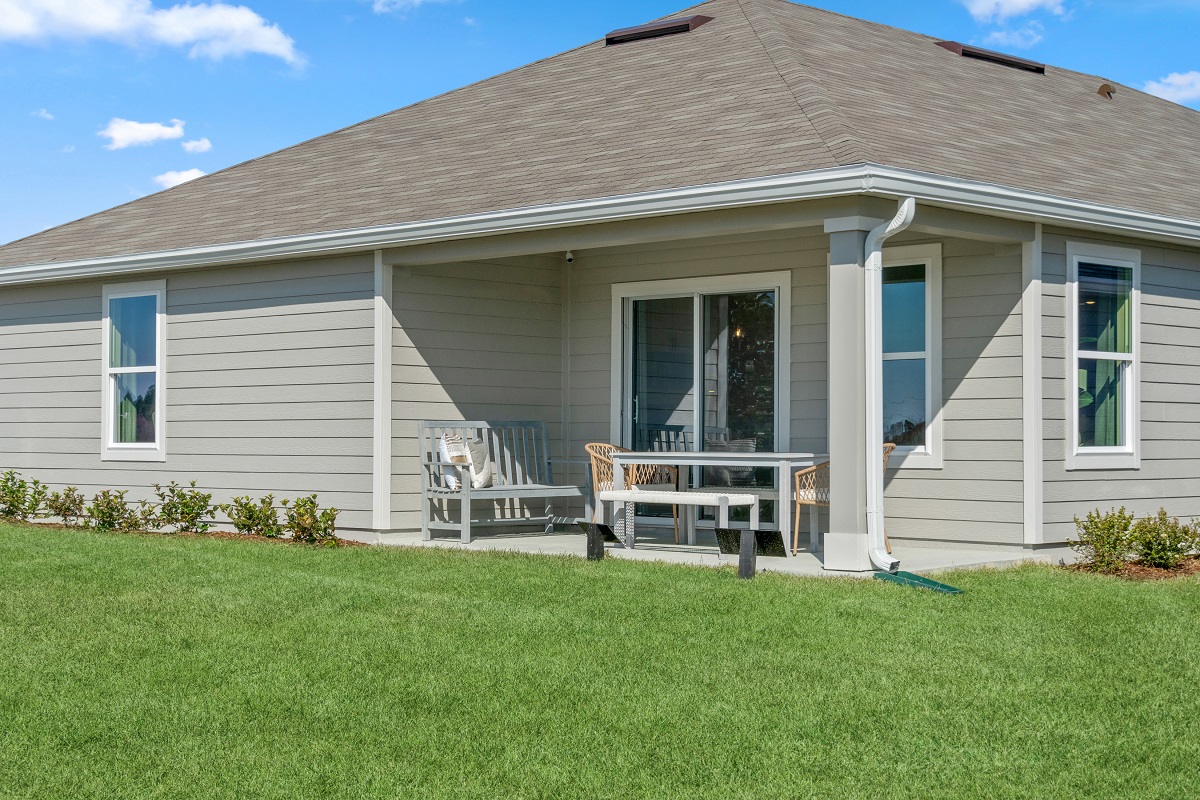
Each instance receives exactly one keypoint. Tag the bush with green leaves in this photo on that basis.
(182, 508)
(308, 524)
(20, 499)
(1162, 541)
(1105, 540)
(67, 505)
(254, 518)
(110, 512)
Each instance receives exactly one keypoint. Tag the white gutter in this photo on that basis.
(873, 425)
(839, 181)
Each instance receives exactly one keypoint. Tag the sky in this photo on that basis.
(106, 101)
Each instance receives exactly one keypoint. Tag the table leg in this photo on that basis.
(754, 515)
(783, 506)
(630, 521)
(723, 513)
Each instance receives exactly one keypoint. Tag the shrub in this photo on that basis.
(1105, 540)
(308, 524)
(20, 499)
(259, 518)
(110, 512)
(67, 506)
(183, 509)
(1162, 541)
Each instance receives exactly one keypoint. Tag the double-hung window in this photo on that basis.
(912, 379)
(132, 400)
(1102, 394)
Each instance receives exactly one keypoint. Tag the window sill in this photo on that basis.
(1102, 461)
(156, 454)
(914, 459)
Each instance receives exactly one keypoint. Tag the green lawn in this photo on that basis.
(138, 666)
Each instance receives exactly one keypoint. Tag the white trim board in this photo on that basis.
(862, 179)
(381, 506)
(1031, 389)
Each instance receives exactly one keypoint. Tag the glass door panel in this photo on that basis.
(738, 401)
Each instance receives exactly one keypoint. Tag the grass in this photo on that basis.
(138, 666)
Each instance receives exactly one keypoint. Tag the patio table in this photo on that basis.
(784, 465)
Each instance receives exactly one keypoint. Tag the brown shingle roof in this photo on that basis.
(768, 87)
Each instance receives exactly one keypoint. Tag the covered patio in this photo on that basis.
(783, 328)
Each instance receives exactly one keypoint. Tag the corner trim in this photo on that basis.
(1031, 389)
(381, 492)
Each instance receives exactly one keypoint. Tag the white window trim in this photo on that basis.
(1100, 458)
(930, 255)
(110, 451)
(623, 295)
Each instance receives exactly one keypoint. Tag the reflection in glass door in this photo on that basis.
(708, 363)
(663, 374)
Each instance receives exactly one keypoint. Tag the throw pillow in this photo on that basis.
(481, 464)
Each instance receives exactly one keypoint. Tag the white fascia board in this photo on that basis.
(839, 181)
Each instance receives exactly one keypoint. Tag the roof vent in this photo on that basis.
(1004, 59)
(1107, 90)
(653, 30)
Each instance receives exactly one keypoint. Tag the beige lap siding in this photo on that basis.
(479, 340)
(269, 383)
(976, 496)
(1170, 384)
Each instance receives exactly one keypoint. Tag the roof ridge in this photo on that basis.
(827, 120)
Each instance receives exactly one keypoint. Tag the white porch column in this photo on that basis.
(846, 546)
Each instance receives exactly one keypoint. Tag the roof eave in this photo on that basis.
(834, 182)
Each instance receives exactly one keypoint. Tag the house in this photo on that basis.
(1031, 342)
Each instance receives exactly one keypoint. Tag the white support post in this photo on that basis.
(381, 490)
(846, 545)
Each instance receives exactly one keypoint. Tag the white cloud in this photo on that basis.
(42, 113)
(399, 6)
(176, 177)
(69, 148)
(470, 22)
(197, 145)
(1000, 10)
(1178, 87)
(123, 133)
(209, 30)
(1021, 39)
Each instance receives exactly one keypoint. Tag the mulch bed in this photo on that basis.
(1140, 572)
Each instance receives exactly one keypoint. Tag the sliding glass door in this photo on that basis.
(701, 373)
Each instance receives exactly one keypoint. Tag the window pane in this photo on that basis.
(133, 408)
(132, 336)
(1101, 403)
(663, 376)
(904, 403)
(904, 309)
(1105, 308)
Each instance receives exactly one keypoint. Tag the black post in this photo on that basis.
(747, 554)
(595, 543)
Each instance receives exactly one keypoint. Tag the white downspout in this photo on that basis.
(877, 546)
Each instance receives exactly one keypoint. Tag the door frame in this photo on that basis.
(623, 296)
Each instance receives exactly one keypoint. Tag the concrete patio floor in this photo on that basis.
(654, 544)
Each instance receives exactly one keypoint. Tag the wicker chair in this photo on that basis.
(812, 489)
(635, 475)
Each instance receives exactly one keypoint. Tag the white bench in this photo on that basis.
(721, 501)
